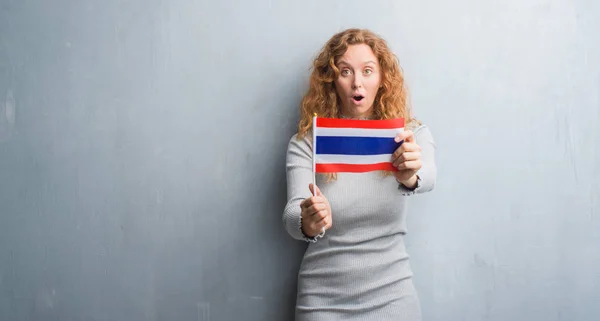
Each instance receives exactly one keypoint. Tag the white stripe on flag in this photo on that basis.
(353, 159)
(358, 132)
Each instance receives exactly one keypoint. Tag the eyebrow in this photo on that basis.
(366, 62)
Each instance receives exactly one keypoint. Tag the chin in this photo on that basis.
(360, 110)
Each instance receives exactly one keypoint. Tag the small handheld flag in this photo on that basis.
(356, 146)
(314, 168)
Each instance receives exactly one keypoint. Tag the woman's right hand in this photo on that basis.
(316, 213)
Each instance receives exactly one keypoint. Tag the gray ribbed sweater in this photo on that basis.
(360, 269)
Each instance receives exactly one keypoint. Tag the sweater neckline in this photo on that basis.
(356, 118)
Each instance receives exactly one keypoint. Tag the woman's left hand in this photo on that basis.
(407, 159)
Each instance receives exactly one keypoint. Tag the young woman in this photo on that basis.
(356, 266)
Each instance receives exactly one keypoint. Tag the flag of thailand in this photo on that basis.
(357, 146)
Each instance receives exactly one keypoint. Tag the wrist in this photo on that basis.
(410, 183)
(310, 235)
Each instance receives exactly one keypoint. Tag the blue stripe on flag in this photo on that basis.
(337, 145)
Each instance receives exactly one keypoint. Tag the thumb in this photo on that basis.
(405, 136)
(312, 189)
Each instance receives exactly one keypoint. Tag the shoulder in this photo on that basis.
(297, 140)
(420, 130)
(297, 143)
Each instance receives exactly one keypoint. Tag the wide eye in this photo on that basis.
(368, 71)
(345, 72)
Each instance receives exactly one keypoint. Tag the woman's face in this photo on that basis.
(359, 81)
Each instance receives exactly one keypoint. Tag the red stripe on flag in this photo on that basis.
(356, 123)
(354, 168)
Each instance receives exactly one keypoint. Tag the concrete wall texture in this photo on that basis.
(142, 148)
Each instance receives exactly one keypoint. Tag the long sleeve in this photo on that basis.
(428, 173)
(299, 175)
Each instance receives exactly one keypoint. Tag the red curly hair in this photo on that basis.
(321, 97)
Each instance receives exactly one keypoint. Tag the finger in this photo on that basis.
(312, 187)
(329, 222)
(325, 220)
(306, 203)
(317, 225)
(406, 156)
(398, 152)
(315, 208)
(317, 200)
(312, 200)
(310, 210)
(410, 156)
(305, 206)
(412, 165)
(321, 214)
(405, 148)
(321, 224)
(398, 161)
(318, 190)
(411, 147)
(406, 135)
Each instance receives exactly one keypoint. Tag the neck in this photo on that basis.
(346, 115)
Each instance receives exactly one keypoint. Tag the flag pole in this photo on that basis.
(314, 154)
(314, 159)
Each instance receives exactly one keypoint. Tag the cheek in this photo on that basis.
(342, 86)
(374, 87)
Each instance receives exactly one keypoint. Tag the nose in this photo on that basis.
(357, 82)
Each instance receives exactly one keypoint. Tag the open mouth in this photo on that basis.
(357, 98)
